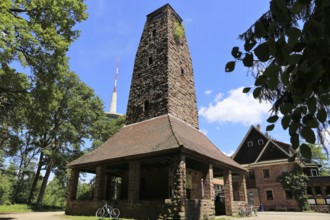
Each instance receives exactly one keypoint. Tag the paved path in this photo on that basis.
(33, 216)
(288, 216)
(261, 216)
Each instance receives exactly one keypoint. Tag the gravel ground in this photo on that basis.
(261, 216)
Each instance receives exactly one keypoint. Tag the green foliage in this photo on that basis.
(288, 51)
(296, 182)
(16, 208)
(319, 157)
(106, 128)
(178, 31)
(55, 187)
(85, 191)
(5, 187)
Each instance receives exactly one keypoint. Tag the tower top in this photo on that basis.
(163, 10)
(163, 81)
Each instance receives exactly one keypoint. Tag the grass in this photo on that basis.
(17, 208)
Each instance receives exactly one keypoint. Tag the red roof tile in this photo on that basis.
(160, 134)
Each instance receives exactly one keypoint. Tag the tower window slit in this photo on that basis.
(154, 34)
(146, 107)
(182, 71)
(150, 60)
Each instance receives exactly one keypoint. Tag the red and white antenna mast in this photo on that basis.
(113, 103)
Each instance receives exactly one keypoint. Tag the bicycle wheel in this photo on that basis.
(255, 211)
(100, 212)
(114, 213)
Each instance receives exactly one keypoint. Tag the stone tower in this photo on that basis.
(163, 81)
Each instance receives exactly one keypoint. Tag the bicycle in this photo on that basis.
(246, 210)
(107, 211)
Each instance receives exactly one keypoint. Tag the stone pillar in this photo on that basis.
(179, 187)
(73, 185)
(99, 189)
(208, 184)
(242, 188)
(134, 181)
(228, 192)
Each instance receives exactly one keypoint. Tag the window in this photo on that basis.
(266, 173)
(269, 195)
(309, 191)
(318, 190)
(327, 190)
(314, 172)
(250, 143)
(285, 170)
(182, 71)
(154, 33)
(251, 174)
(260, 142)
(288, 194)
(150, 60)
(146, 107)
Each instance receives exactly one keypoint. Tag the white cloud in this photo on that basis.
(218, 97)
(208, 92)
(229, 154)
(204, 131)
(326, 135)
(237, 107)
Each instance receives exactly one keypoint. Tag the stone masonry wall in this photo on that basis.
(162, 80)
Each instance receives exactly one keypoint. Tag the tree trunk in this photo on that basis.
(43, 186)
(35, 180)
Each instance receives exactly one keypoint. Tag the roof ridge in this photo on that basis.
(145, 121)
(172, 130)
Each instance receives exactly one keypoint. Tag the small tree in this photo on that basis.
(296, 182)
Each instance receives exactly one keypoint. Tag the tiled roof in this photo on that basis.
(160, 134)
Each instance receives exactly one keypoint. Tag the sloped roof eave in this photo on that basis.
(152, 137)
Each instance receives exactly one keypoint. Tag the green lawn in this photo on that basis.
(18, 208)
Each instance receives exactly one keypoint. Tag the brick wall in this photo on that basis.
(271, 184)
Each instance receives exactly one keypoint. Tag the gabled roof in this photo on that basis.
(272, 151)
(158, 135)
(267, 151)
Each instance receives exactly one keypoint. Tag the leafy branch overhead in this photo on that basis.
(288, 51)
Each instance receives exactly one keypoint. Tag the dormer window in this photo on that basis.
(314, 172)
(250, 143)
(260, 142)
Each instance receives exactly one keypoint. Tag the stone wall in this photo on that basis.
(162, 80)
(321, 208)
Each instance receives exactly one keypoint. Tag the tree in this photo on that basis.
(296, 182)
(34, 34)
(288, 51)
(61, 119)
(319, 157)
(107, 128)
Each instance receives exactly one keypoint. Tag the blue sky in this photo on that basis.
(114, 28)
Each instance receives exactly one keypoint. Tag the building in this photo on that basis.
(163, 164)
(267, 159)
